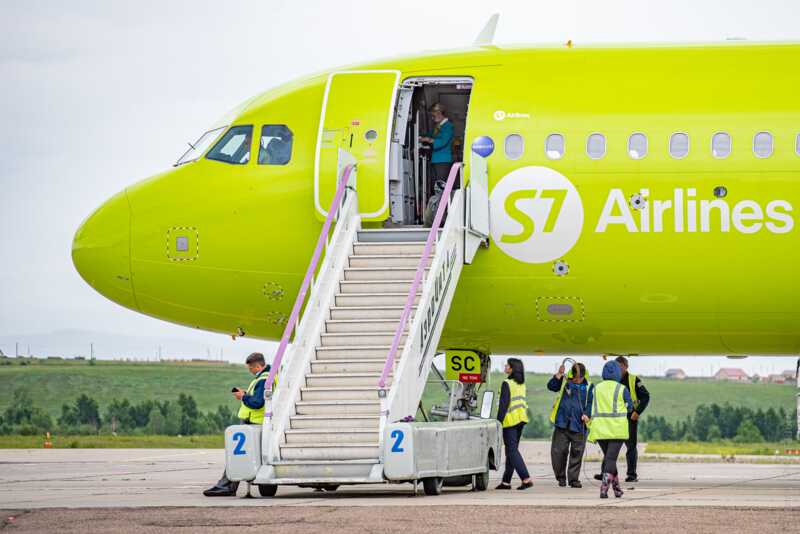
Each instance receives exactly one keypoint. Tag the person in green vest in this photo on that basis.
(607, 418)
(641, 398)
(569, 430)
(512, 412)
(251, 412)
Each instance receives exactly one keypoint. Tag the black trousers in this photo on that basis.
(564, 446)
(610, 448)
(631, 454)
(514, 461)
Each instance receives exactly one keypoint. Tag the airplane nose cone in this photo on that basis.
(101, 251)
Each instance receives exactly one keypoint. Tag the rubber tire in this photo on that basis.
(482, 480)
(267, 490)
(432, 485)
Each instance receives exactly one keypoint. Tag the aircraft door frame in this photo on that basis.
(320, 204)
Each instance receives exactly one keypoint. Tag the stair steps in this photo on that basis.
(338, 436)
(353, 352)
(360, 326)
(339, 393)
(308, 422)
(336, 417)
(345, 313)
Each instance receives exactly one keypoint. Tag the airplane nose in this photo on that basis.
(101, 251)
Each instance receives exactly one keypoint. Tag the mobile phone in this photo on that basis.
(234, 390)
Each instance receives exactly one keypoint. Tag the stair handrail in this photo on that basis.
(421, 266)
(304, 287)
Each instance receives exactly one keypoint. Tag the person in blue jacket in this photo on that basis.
(441, 141)
(569, 432)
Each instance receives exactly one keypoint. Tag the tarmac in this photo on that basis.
(157, 490)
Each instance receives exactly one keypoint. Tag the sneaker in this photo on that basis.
(631, 478)
(525, 485)
(598, 477)
(562, 483)
(575, 484)
(502, 486)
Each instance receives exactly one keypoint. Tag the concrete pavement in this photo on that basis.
(92, 478)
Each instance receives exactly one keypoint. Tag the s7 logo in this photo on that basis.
(556, 196)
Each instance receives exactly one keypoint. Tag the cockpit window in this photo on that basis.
(276, 145)
(234, 146)
(197, 149)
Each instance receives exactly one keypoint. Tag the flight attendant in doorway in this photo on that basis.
(441, 140)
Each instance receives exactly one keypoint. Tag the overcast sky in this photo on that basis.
(95, 95)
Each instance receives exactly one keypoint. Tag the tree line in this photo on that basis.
(710, 422)
(84, 417)
(182, 417)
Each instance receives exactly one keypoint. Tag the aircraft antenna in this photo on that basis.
(486, 37)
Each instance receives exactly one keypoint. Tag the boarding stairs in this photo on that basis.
(370, 327)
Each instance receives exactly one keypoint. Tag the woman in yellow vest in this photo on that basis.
(512, 413)
(607, 415)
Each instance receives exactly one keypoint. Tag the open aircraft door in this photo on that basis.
(477, 206)
(357, 112)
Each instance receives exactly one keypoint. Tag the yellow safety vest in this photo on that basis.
(609, 412)
(557, 401)
(246, 413)
(632, 389)
(518, 405)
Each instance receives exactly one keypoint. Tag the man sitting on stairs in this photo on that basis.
(251, 412)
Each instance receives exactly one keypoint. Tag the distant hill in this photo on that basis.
(107, 345)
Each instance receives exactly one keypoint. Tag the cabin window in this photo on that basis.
(679, 145)
(554, 146)
(797, 145)
(721, 145)
(234, 147)
(515, 146)
(637, 146)
(596, 146)
(275, 147)
(762, 144)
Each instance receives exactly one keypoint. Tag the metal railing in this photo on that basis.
(304, 287)
(423, 264)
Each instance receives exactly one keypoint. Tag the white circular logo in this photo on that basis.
(537, 214)
(499, 115)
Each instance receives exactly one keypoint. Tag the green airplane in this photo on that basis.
(641, 199)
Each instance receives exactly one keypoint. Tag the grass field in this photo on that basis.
(56, 382)
(723, 448)
(115, 442)
(672, 399)
(209, 384)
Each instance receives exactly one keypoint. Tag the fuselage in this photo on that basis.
(683, 240)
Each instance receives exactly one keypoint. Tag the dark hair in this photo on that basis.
(256, 357)
(517, 370)
(580, 368)
(622, 360)
(438, 106)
